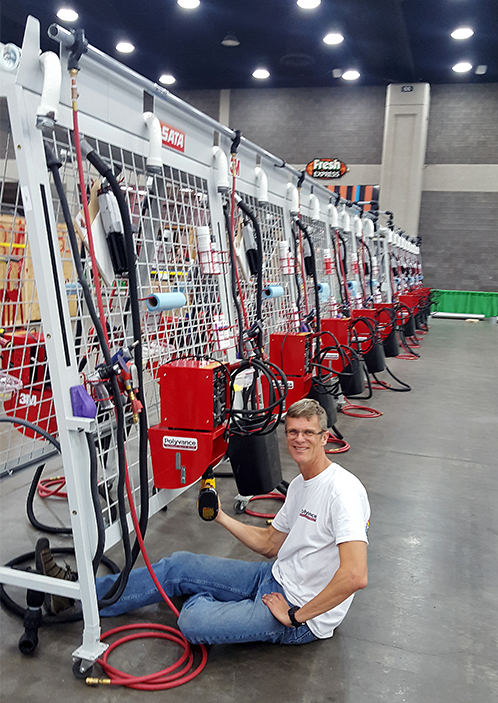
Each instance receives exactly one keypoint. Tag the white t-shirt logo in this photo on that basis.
(309, 516)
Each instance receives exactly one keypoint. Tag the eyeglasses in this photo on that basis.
(293, 434)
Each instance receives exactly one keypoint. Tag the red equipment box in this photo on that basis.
(180, 457)
(194, 394)
(339, 328)
(292, 352)
(190, 437)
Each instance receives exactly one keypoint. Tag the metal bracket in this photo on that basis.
(179, 467)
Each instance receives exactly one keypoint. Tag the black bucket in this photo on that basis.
(390, 343)
(375, 359)
(409, 327)
(353, 382)
(322, 392)
(255, 462)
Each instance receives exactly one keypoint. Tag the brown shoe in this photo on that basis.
(46, 564)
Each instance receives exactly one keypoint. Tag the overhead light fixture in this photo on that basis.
(230, 40)
(333, 38)
(308, 4)
(481, 70)
(462, 67)
(351, 75)
(462, 33)
(261, 74)
(124, 47)
(167, 79)
(66, 14)
(336, 72)
(188, 4)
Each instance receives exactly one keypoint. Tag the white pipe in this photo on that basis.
(154, 160)
(262, 186)
(333, 216)
(293, 196)
(47, 112)
(315, 208)
(368, 228)
(357, 226)
(345, 221)
(458, 315)
(221, 165)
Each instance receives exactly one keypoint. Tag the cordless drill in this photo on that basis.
(207, 501)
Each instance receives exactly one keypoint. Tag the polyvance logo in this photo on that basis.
(172, 137)
(188, 444)
(326, 168)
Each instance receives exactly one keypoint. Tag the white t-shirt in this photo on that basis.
(317, 516)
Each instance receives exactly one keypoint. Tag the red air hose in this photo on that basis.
(173, 675)
(277, 496)
(363, 410)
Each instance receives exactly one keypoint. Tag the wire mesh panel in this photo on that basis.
(170, 215)
(278, 307)
(25, 384)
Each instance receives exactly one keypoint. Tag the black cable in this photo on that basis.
(118, 587)
(370, 277)
(67, 617)
(305, 232)
(296, 274)
(233, 281)
(105, 171)
(93, 487)
(254, 420)
(389, 387)
(259, 276)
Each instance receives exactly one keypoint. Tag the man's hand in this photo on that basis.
(278, 607)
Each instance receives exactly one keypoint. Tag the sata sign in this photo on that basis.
(172, 137)
(326, 168)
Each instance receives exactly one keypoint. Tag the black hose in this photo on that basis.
(118, 587)
(105, 171)
(233, 282)
(259, 276)
(254, 420)
(305, 232)
(68, 617)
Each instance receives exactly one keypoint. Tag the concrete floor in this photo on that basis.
(424, 631)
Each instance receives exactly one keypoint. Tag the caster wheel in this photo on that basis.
(239, 507)
(78, 674)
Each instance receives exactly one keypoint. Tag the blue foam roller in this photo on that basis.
(273, 292)
(165, 301)
(324, 291)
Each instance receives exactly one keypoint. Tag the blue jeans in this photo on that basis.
(225, 603)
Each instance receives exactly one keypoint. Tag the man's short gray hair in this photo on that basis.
(308, 408)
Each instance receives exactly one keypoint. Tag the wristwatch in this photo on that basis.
(292, 617)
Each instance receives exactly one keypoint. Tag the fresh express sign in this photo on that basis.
(172, 137)
(326, 168)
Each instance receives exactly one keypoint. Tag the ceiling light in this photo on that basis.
(351, 75)
(67, 15)
(124, 47)
(167, 79)
(462, 67)
(481, 70)
(308, 4)
(333, 38)
(462, 33)
(188, 4)
(261, 73)
(337, 72)
(230, 40)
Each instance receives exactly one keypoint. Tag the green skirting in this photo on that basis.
(466, 302)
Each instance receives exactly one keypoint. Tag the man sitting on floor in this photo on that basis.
(318, 541)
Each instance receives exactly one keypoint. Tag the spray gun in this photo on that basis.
(207, 501)
(124, 368)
